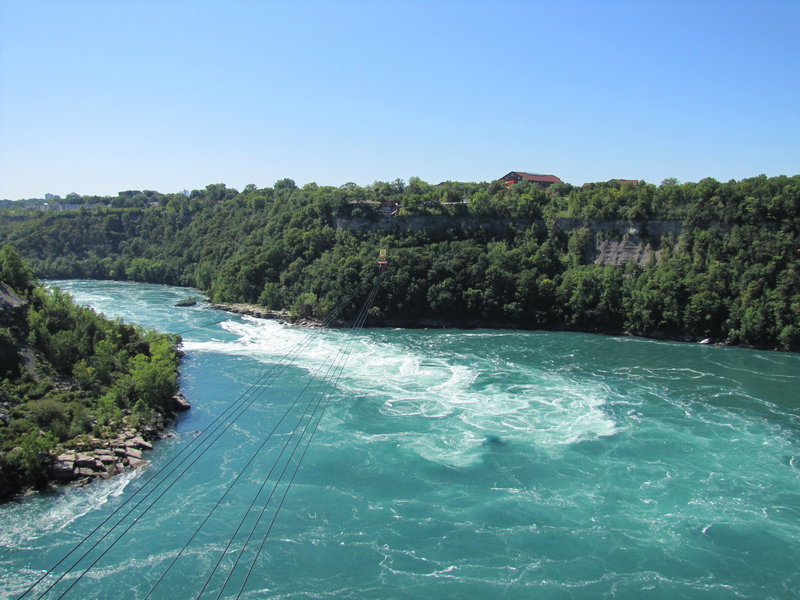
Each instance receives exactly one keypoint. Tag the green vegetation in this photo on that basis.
(463, 254)
(67, 374)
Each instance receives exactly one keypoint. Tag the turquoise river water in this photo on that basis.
(447, 464)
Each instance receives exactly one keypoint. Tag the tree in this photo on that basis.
(285, 185)
(154, 380)
(13, 271)
(305, 305)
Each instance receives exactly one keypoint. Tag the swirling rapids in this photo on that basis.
(459, 464)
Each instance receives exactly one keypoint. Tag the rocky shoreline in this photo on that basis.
(282, 316)
(96, 458)
(285, 317)
(253, 310)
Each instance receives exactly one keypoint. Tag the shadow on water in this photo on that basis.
(494, 442)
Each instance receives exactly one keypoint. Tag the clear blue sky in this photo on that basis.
(98, 96)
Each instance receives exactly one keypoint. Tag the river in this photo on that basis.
(443, 464)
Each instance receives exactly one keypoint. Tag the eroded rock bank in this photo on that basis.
(253, 310)
(452, 323)
(102, 458)
(282, 316)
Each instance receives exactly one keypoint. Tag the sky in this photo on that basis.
(99, 96)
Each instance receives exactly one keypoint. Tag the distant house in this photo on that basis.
(543, 181)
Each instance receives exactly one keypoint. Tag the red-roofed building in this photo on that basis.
(543, 181)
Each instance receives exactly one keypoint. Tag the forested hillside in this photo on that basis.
(478, 253)
(70, 378)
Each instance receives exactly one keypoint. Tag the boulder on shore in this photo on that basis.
(132, 452)
(86, 461)
(180, 403)
(138, 442)
(63, 470)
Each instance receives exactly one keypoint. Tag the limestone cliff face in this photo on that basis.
(610, 242)
(437, 224)
(621, 251)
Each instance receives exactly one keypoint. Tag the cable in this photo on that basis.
(232, 484)
(166, 489)
(321, 388)
(358, 325)
(227, 318)
(277, 369)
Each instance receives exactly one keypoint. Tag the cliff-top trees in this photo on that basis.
(727, 270)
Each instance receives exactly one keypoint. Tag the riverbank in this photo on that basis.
(82, 396)
(283, 316)
(253, 310)
(94, 457)
(90, 457)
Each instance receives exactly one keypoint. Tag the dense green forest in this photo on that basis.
(67, 373)
(462, 254)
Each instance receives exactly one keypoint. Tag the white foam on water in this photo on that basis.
(25, 521)
(263, 340)
(522, 404)
(463, 398)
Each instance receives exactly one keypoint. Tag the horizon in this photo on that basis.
(240, 189)
(99, 97)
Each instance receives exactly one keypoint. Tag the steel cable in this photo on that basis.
(214, 426)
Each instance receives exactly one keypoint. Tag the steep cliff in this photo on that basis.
(610, 242)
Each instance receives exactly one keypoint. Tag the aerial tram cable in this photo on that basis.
(326, 397)
(359, 324)
(274, 372)
(298, 432)
(215, 423)
(326, 378)
(214, 426)
(322, 397)
(231, 485)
